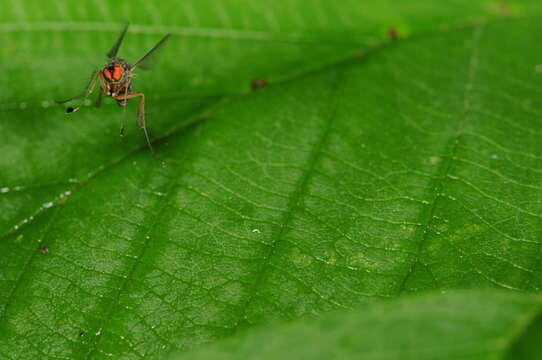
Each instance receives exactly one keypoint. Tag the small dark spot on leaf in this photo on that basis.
(82, 333)
(393, 34)
(259, 83)
(43, 250)
(503, 9)
(69, 110)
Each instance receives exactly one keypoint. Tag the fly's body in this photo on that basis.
(116, 82)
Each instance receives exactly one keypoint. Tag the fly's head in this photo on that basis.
(116, 75)
(116, 71)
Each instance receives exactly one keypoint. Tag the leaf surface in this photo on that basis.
(350, 179)
(462, 325)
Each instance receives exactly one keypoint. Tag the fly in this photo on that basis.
(116, 81)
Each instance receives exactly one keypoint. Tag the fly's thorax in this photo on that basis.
(118, 89)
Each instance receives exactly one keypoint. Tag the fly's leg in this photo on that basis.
(122, 122)
(88, 90)
(99, 99)
(140, 119)
(125, 102)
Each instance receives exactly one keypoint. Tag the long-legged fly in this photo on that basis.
(116, 81)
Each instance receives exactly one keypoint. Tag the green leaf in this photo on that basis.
(450, 326)
(349, 179)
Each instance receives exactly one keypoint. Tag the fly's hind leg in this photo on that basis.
(140, 119)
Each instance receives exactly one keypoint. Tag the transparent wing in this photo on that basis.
(145, 62)
(113, 52)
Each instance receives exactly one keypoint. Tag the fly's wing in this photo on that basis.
(145, 62)
(113, 52)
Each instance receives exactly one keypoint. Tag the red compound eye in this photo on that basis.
(117, 73)
(113, 73)
(107, 74)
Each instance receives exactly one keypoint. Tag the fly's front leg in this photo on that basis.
(124, 102)
(140, 119)
(88, 90)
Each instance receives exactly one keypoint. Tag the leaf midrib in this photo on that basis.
(295, 198)
(184, 31)
(161, 207)
(443, 176)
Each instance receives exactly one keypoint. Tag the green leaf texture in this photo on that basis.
(368, 169)
(430, 327)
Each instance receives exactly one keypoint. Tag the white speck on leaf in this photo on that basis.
(47, 205)
(4, 190)
(256, 231)
(433, 160)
